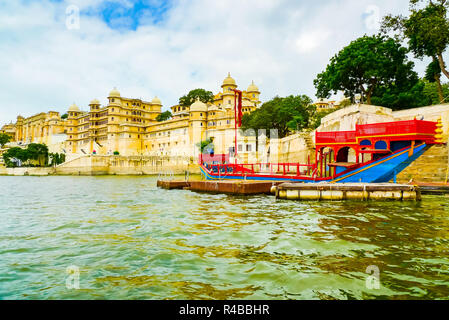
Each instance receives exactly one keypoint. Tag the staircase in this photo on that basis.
(309, 140)
(430, 167)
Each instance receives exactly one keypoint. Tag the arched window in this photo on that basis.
(365, 143)
(381, 145)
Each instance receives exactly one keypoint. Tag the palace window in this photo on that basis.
(239, 147)
(248, 147)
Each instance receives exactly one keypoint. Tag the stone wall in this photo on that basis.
(430, 167)
(133, 165)
(345, 119)
(29, 171)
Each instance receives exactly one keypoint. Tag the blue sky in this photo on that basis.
(150, 48)
(129, 15)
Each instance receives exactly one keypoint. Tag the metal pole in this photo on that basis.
(235, 125)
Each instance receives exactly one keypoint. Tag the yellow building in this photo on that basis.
(129, 127)
(43, 127)
(10, 130)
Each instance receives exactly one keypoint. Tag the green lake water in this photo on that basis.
(131, 240)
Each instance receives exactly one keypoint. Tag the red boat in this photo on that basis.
(371, 153)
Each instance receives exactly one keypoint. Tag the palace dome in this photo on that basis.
(228, 81)
(95, 102)
(198, 105)
(74, 108)
(114, 93)
(156, 100)
(252, 88)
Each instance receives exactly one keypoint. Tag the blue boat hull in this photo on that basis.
(382, 170)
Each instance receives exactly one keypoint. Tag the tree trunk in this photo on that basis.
(442, 66)
(368, 98)
(439, 88)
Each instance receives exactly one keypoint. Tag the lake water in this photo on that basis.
(130, 240)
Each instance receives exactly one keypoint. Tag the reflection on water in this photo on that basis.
(131, 240)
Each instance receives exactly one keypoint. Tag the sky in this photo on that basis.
(55, 52)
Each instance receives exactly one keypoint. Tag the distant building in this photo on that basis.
(129, 126)
(328, 105)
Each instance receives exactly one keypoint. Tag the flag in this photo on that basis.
(240, 114)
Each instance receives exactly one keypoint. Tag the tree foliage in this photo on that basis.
(205, 146)
(34, 151)
(190, 98)
(164, 116)
(426, 29)
(64, 116)
(284, 114)
(364, 65)
(56, 158)
(4, 139)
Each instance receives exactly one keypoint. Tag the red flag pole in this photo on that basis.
(235, 125)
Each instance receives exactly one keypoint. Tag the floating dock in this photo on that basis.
(170, 185)
(347, 191)
(433, 188)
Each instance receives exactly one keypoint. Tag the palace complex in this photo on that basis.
(128, 126)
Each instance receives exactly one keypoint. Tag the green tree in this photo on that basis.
(38, 152)
(4, 139)
(316, 116)
(433, 75)
(64, 116)
(56, 158)
(364, 65)
(426, 30)
(431, 91)
(15, 153)
(190, 98)
(164, 116)
(204, 145)
(284, 114)
(397, 97)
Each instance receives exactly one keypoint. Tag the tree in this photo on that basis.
(4, 139)
(56, 158)
(284, 114)
(433, 75)
(164, 116)
(365, 64)
(38, 152)
(406, 96)
(426, 29)
(15, 153)
(205, 146)
(64, 116)
(190, 98)
(316, 116)
(431, 92)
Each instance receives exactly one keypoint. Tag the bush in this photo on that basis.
(116, 153)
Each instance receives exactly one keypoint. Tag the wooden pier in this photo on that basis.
(347, 191)
(226, 187)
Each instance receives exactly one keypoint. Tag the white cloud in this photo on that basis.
(281, 45)
(311, 40)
